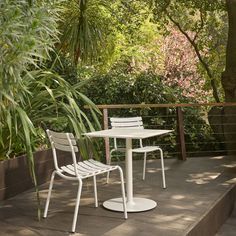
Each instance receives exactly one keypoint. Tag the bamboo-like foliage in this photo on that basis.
(25, 40)
(29, 95)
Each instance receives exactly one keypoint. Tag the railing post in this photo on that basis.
(107, 143)
(180, 134)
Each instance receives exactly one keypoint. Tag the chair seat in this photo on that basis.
(119, 149)
(88, 168)
(140, 149)
(145, 149)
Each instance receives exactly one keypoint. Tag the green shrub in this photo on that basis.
(117, 87)
(29, 95)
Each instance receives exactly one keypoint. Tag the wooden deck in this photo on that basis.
(199, 197)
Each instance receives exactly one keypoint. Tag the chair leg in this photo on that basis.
(49, 194)
(77, 206)
(144, 165)
(95, 191)
(123, 192)
(163, 169)
(108, 162)
(108, 176)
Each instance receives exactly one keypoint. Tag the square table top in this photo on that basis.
(128, 133)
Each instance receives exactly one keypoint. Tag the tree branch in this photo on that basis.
(199, 28)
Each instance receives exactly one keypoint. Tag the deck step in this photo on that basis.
(229, 227)
(217, 215)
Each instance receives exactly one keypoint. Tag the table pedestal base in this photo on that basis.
(137, 205)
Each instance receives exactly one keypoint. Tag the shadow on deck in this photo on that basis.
(199, 197)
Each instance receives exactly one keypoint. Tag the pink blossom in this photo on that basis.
(180, 66)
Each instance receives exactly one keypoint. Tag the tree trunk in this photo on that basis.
(229, 75)
(228, 79)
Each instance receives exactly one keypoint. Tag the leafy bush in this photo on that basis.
(29, 95)
(119, 87)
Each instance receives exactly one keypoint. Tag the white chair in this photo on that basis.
(135, 123)
(77, 171)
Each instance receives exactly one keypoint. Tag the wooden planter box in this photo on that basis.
(14, 173)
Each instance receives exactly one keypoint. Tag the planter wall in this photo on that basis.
(14, 173)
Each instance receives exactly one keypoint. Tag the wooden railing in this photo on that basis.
(179, 117)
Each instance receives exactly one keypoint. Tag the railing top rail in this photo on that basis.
(125, 106)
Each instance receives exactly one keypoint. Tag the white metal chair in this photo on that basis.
(77, 171)
(135, 123)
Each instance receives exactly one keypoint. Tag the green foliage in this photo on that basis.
(131, 33)
(120, 35)
(59, 64)
(100, 33)
(141, 52)
(110, 88)
(32, 97)
(120, 87)
(149, 88)
(206, 20)
(26, 37)
(131, 39)
(83, 28)
(128, 33)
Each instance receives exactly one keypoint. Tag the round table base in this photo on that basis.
(137, 205)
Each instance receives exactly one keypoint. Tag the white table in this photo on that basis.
(134, 204)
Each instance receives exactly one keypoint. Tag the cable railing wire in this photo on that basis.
(203, 135)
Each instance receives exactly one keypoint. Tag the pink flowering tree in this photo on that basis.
(181, 67)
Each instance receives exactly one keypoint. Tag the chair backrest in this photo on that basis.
(64, 142)
(127, 123)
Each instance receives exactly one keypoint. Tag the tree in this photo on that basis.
(80, 27)
(229, 75)
(229, 78)
(210, 31)
(202, 23)
(96, 31)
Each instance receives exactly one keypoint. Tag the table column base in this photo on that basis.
(137, 205)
